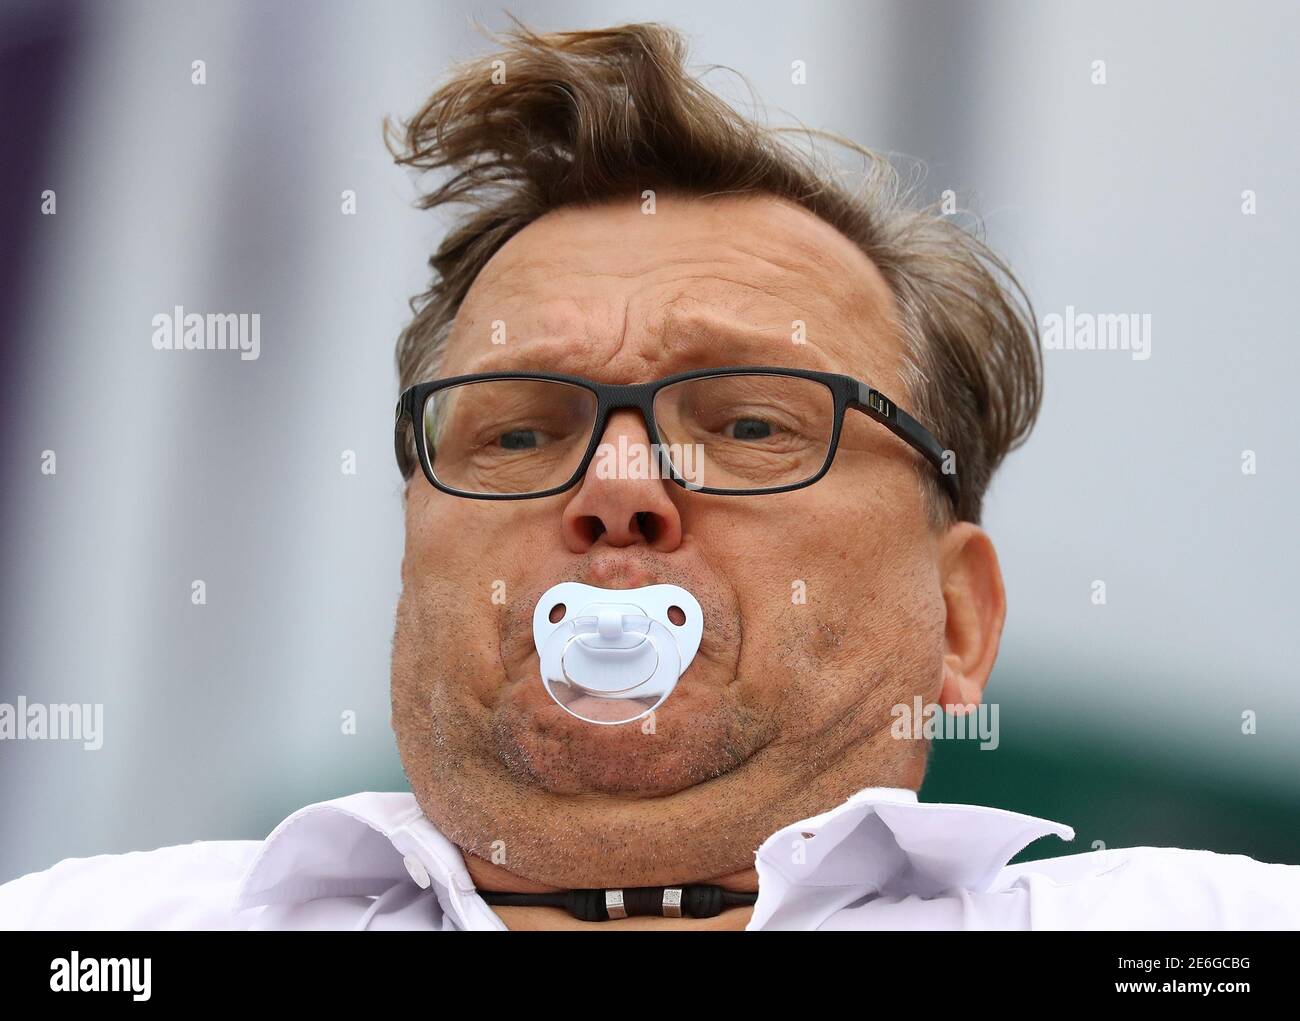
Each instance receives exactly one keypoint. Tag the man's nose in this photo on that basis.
(622, 500)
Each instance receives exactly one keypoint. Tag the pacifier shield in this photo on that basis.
(614, 655)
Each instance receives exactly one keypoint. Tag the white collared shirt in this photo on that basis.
(881, 860)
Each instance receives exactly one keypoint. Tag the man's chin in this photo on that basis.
(697, 734)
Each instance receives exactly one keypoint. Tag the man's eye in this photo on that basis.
(748, 429)
(518, 439)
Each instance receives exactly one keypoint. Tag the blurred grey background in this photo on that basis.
(1124, 720)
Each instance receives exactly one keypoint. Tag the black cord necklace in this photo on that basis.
(701, 900)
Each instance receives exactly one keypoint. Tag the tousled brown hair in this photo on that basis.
(588, 116)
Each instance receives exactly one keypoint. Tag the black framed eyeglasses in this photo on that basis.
(738, 431)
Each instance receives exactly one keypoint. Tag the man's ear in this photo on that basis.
(976, 605)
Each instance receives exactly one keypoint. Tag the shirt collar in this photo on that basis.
(882, 840)
(361, 845)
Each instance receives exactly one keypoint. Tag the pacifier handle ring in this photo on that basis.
(616, 691)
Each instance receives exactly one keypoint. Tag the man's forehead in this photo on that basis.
(702, 281)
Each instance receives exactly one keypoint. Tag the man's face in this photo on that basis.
(822, 607)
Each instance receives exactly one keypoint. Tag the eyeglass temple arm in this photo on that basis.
(876, 405)
(402, 431)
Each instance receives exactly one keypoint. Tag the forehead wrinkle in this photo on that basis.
(844, 303)
(691, 343)
(840, 299)
(702, 337)
(839, 335)
(682, 331)
(788, 273)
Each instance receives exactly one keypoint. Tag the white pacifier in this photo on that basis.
(613, 655)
